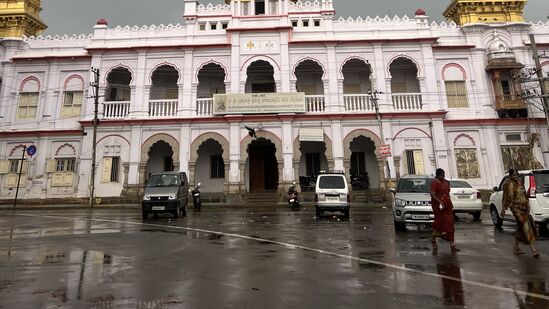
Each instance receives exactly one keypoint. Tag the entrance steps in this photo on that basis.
(263, 198)
(368, 196)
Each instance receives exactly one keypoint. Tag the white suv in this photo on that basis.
(536, 183)
(332, 193)
(412, 201)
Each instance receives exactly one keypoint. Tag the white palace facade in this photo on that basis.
(179, 97)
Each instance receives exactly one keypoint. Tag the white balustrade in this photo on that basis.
(204, 107)
(118, 109)
(358, 102)
(407, 101)
(315, 103)
(162, 108)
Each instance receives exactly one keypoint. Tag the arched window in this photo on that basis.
(456, 86)
(28, 98)
(73, 95)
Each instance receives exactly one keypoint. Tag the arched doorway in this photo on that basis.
(260, 78)
(211, 168)
(160, 158)
(310, 158)
(362, 147)
(159, 153)
(363, 161)
(262, 166)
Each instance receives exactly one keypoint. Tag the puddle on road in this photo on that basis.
(153, 230)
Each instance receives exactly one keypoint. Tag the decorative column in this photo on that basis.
(139, 105)
(333, 103)
(187, 106)
(397, 159)
(337, 144)
(287, 153)
(180, 99)
(184, 147)
(236, 169)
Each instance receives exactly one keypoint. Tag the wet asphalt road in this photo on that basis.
(258, 258)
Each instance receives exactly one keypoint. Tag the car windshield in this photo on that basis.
(542, 182)
(413, 185)
(163, 181)
(459, 184)
(331, 182)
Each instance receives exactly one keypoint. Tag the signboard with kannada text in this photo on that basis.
(385, 151)
(259, 103)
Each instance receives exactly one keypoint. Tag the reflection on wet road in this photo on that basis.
(238, 258)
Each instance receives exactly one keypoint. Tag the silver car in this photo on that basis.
(412, 201)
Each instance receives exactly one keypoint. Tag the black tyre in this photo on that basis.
(145, 214)
(544, 228)
(318, 213)
(346, 213)
(496, 219)
(176, 213)
(400, 226)
(476, 215)
(155, 214)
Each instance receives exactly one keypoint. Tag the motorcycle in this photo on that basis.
(360, 182)
(293, 197)
(195, 193)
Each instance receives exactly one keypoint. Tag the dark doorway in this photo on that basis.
(263, 166)
(263, 88)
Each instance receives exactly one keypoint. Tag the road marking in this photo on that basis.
(294, 246)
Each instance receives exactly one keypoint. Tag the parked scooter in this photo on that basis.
(195, 193)
(293, 197)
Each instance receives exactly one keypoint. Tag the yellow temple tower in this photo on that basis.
(20, 17)
(485, 11)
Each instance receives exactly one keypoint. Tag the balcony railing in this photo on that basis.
(407, 101)
(162, 108)
(119, 109)
(204, 107)
(315, 103)
(358, 102)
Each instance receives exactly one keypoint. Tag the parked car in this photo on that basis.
(536, 183)
(465, 198)
(166, 192)
(412, 201)
(332, 193)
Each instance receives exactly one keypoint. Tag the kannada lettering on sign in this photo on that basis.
(311, 135)
(385, 151)
(259, 103)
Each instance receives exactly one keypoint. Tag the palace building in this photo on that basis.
(376, 96)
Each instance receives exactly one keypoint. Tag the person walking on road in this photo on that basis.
(515, 198)
(443, 225)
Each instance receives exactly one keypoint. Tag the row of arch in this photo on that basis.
(307, 66)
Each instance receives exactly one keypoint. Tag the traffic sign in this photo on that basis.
(385, 151)
(31, 150)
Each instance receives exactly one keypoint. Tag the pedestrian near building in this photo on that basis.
(443, 225)
(515, 198)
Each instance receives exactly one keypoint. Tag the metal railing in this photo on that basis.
(358, 102)
(407, 101)
(162, 108)
(118, 109)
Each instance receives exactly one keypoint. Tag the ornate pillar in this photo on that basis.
(396, 160)
(381, 167)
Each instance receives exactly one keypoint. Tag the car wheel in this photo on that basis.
(496, 219)
(145, 214)
(318, 213)
(544, 228)
(176, 213)
(400, 226)
(476, 215)
(155, 214)
(346, 213)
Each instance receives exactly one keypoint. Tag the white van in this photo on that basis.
(332, 193)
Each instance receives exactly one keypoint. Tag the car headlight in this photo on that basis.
(147, 197)
(400, 203)
(171, 197)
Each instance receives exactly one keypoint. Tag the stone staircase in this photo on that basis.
(368, 196)
(263, 198)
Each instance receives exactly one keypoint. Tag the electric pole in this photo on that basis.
(95, 86)
(541, 78)
(374, 98)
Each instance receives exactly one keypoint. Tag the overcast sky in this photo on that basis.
(79, 16)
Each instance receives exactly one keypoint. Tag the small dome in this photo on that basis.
(102, 21)
(420, 12)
